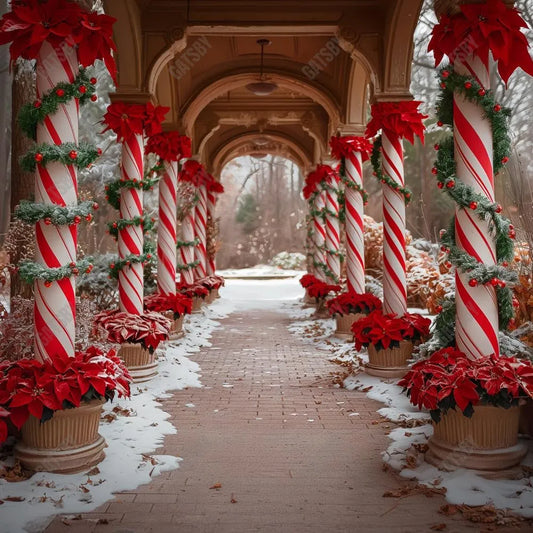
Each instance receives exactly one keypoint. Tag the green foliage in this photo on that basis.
(30, 212)
(248, 213)
(81, 155)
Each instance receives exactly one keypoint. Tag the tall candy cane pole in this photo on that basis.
(187, 252)
(211, 206)
(394, 278)
(333, 230)
(477, 310)
(200, 230)
(355, 244)
(56, 184)
(166, 230)
(130, 238)
(319, 237)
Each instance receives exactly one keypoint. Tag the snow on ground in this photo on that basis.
(259, 272)
(405, 453)
(136, 428)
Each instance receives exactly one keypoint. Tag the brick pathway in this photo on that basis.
(290, 452)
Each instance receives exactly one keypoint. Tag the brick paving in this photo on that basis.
(290, 452)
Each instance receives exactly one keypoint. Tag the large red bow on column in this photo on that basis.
(344, 146)
(322, 173)
(400, 118)
(478, 28)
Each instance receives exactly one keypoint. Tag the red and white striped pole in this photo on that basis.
(211, 206)
(187, 252)
(200, 230)
(56, 184)
(355, 244)
(166, 230)
(476, 331)
(319, 236)
(130, 238)
(394, 277)
(333, 240)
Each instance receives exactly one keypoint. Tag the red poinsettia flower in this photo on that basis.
(125, 119)
(179, 304)
(481, 27)
(154, 118)
(169, 146)
(3, 426)
(307, 280)
(388, 330)
(148, 329)
(195, 173)
(346, 145)
(32, 22)
(351, 302)
(399, 118)
(95, 41)
(211, 282)
(194, 290)
(320, 289)
(215, 186)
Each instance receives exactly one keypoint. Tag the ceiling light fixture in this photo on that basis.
(262, 87)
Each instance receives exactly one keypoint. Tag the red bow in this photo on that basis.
(134, 119)
(479, 28)
(322, 173)
(169, 146)
(345, 146)
(60, 23)
(400, 118)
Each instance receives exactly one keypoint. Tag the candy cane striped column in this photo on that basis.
(187, 252)
(166, 230)
(56, 184)
(477, 310)
(355, 244)
(394, 278)
(211, 206)
(130, 238)
(200, 230)
(319, 238)
(333, 240)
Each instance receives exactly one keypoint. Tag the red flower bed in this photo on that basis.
(448, 379)
(29, 387)
(351, 302)
(179, 304)
(387, 331)
(193, 290)
(148, 329)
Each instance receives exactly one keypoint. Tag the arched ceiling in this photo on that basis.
(329, 59)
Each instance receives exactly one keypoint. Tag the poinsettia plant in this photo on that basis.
(212, 282)
(179, 304)
(148, 329)
(317, 288)
(352, 302)
(169, 146)
(194, 290)
(388, 330)
(449, 379)
(307, 280)
(30, 387)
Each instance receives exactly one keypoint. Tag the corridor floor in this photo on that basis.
(269, 444)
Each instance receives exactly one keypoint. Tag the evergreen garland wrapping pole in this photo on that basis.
(318, 205)
(396, 120)
(200, 232)
(353, 151)
(333, 235)
(479, 242)
(211, 207)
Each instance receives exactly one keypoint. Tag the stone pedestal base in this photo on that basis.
(486, 443)
(197, 303)
(140, 363)
(176, 330)
(389, 363)
(67, 443)
(344, 325)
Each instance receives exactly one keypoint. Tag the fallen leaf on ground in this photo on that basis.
(14, 499)
(216, 486)
(438, 527)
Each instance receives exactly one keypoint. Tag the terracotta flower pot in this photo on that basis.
(68, 442)
(141, 364)
(197, 304)
(176, 328)
(487, 442)
(344, 324)
(210, 298)
(390, 362)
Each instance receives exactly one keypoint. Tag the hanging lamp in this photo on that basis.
(262, 87)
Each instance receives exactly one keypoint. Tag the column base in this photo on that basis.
(141, 364)
(389, 363)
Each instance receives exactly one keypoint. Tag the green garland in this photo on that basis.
(351, 184)
(181, 267)
(82, 155)
(30, 271)
(185, 244)
(146, 222)
(31, 213)
(35, 113)
(375, 160)
(499, 276)
(113, 189)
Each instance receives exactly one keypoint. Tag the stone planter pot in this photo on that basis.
(141, 364)
(210, 298)
(69, 442)
(389, 363)
(197, 303)
(344, 324)
(176, 328)
(526, 418)
(487, 442)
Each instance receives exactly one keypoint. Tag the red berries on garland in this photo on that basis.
(482, 92)
(440, 185)
(434, 171)
(73, 154)
(60, 93)
(38, 157)
(473, 205)
(468, 85)
(450, 184)
(472, 282)
(83, 89)
(37, 104)
(498, 208)
(47, 283)
(94, 98)
(77, 219)
(48, 221)
(497, 108)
